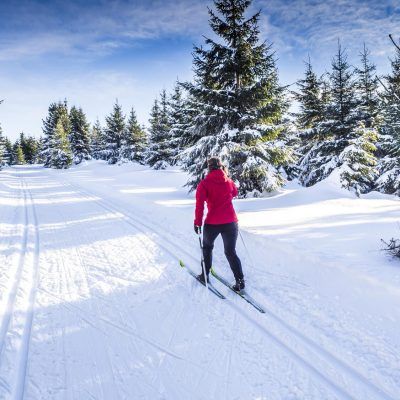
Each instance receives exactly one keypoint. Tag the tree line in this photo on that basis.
(347, 123)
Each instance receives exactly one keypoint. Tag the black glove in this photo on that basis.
(197, 229)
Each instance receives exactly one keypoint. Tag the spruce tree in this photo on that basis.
(239, 103)
(56, 111)
(367, 90)
(389, 139)
(341, 140)
(309, 96)
(134, 140)
(179, 120)
(8, 156)
(358, 158)
(159, 154)
(97, 141)
(312, 107)
(113, 133)
(18, 154)
(79, 135)
(61, 153)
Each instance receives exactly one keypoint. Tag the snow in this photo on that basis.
(94, 305)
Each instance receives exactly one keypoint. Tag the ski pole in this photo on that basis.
(203, 268)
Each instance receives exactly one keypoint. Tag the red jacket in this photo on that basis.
(218, 191)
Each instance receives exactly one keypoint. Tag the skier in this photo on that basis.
(217, 190)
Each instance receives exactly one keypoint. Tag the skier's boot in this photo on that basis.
(239, 285)
(201, 278)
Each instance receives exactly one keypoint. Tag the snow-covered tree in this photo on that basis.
(367, 90)
(180, 117)
(79, 135)
(309, 96)
(97, 141)
(18, 154)
(358, 158)
(134, 140)
(113, 133)
(343, 139)
(159, 154)
(389, 141)
(312, 107)
(61, 153)
(57, 111)
(239, 103)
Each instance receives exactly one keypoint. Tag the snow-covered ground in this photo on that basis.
(94, 305)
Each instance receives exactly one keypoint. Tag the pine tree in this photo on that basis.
(389, 140)
(159, 154)
(8, 156)
(312, 107)
(97, 141)
(239, 103)
(180, 117)
(113, 133)
(358, 158)
(309, 97)
(338, 133)
(61, 153)
(56, 111)
(18, 154)
(367, 90)
(134, 140)
(79, 135)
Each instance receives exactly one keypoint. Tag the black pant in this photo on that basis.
(229, 233)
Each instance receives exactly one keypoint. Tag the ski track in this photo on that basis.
(16, 328)
(87, 281)
(371, 390)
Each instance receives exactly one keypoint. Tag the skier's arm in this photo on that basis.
(201, 196)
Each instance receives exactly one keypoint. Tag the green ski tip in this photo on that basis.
(181, 263)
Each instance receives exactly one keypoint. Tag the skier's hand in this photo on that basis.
(197, 229)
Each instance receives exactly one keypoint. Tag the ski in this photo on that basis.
(209, 285)
(242, 293)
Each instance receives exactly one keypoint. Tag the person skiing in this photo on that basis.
(218, 190)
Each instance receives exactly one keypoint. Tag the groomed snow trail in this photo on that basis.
(94, 306)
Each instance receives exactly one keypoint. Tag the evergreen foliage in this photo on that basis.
(97, 141)
(57, 111)
(180, 117)
(343, 135)
(8, 156)
(134, 140)
(239, 104)
(61, 153)
(79, 135)
(159, 154)
(113, 134)
(29, 147)
(18, 154)
(389, 141)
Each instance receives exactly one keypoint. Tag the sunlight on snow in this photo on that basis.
(65, 200)
(101, 217)
(150, 190)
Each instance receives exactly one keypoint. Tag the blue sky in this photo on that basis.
(92, 52)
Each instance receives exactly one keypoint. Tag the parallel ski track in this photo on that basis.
(328, 357)
(17, 388)
(12, 295)
(23, 365)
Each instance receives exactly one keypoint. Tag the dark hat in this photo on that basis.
(214, 163)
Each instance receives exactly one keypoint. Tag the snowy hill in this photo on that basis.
(94, 305)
